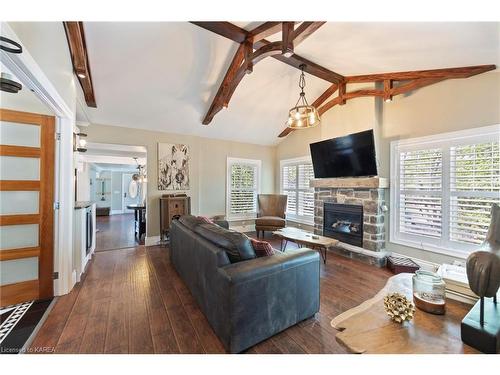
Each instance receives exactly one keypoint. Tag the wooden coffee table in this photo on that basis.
(367, 328)
(307, 239)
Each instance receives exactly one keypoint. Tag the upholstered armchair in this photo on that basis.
(271, 213)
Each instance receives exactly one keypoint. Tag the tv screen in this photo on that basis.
(349, 156)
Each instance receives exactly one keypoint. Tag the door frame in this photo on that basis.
(25, 68)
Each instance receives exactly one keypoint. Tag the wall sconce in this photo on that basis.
(79, 142)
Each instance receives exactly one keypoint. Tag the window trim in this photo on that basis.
(231, 161)
(445, 141)
(295, 161)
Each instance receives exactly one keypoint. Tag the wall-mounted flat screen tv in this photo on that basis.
(349, 156)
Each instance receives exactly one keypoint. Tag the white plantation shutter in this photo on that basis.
(243, 187)
(289, 178)
(295, 177)
(442, 189)
(420, 192)
(475, 185)
(306, 194)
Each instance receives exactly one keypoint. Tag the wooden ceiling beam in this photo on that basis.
(287, 38)
(311, 68)
(264, 30)
(326, 94)
(448, 73)
(258, 55)
(304, 30)
(413, 85)
(218, 101)
(79, 57)
(242, 63)
(239, 35)
(285, 132)
(225, 29)
(416, 79)
(248, 50)
(387, 90)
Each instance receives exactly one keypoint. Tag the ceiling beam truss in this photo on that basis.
(283, 51)
(408, 81)
(245, 57)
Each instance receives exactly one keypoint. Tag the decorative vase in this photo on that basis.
(429, 292)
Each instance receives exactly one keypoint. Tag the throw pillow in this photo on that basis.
(262, 248)
(205, 219)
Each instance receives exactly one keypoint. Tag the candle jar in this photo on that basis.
(429, 292)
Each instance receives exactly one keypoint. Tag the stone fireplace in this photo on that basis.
(352, 211)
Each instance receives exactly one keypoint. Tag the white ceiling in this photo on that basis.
(163, 76)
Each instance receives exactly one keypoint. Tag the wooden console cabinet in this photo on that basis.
(170, 206)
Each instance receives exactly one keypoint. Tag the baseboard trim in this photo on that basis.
(116, 212)
(151, 241)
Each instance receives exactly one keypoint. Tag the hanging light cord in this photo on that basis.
(302, 85)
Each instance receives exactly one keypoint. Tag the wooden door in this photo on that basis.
(27, 142)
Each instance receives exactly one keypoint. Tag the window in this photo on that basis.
(442, 189)
(295, 177)
(243, 185)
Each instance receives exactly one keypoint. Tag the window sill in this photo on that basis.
(461, 254)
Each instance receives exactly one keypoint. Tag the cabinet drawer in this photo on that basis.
(177, 207)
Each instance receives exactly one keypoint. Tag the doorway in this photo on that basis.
(114, 177)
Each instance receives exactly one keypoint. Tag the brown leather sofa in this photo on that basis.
(271, 213)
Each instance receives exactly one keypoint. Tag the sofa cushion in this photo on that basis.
(270, 221)
(237, 246)
(262, 248)
(191, 221)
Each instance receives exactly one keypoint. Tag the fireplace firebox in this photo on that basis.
(343, 222)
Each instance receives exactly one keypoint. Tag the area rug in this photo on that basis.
(18, 322)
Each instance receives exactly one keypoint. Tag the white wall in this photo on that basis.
(83, 182)
(207, 166)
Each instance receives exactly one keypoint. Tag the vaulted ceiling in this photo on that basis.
(163, 76)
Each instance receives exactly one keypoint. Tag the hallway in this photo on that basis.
(116, 232)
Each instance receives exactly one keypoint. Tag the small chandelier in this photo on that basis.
(303, 115)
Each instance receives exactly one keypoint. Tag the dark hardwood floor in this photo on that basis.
(116, 232)
(133, 301)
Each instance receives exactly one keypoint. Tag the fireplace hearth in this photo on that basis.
(343, 222)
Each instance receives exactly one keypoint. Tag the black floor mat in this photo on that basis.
(17, 322)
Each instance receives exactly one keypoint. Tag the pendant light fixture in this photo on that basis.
(303, 115)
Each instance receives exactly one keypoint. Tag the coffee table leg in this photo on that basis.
(281, 245)
(286, 243)
(323, 255)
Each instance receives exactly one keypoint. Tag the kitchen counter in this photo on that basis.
(83, 204)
